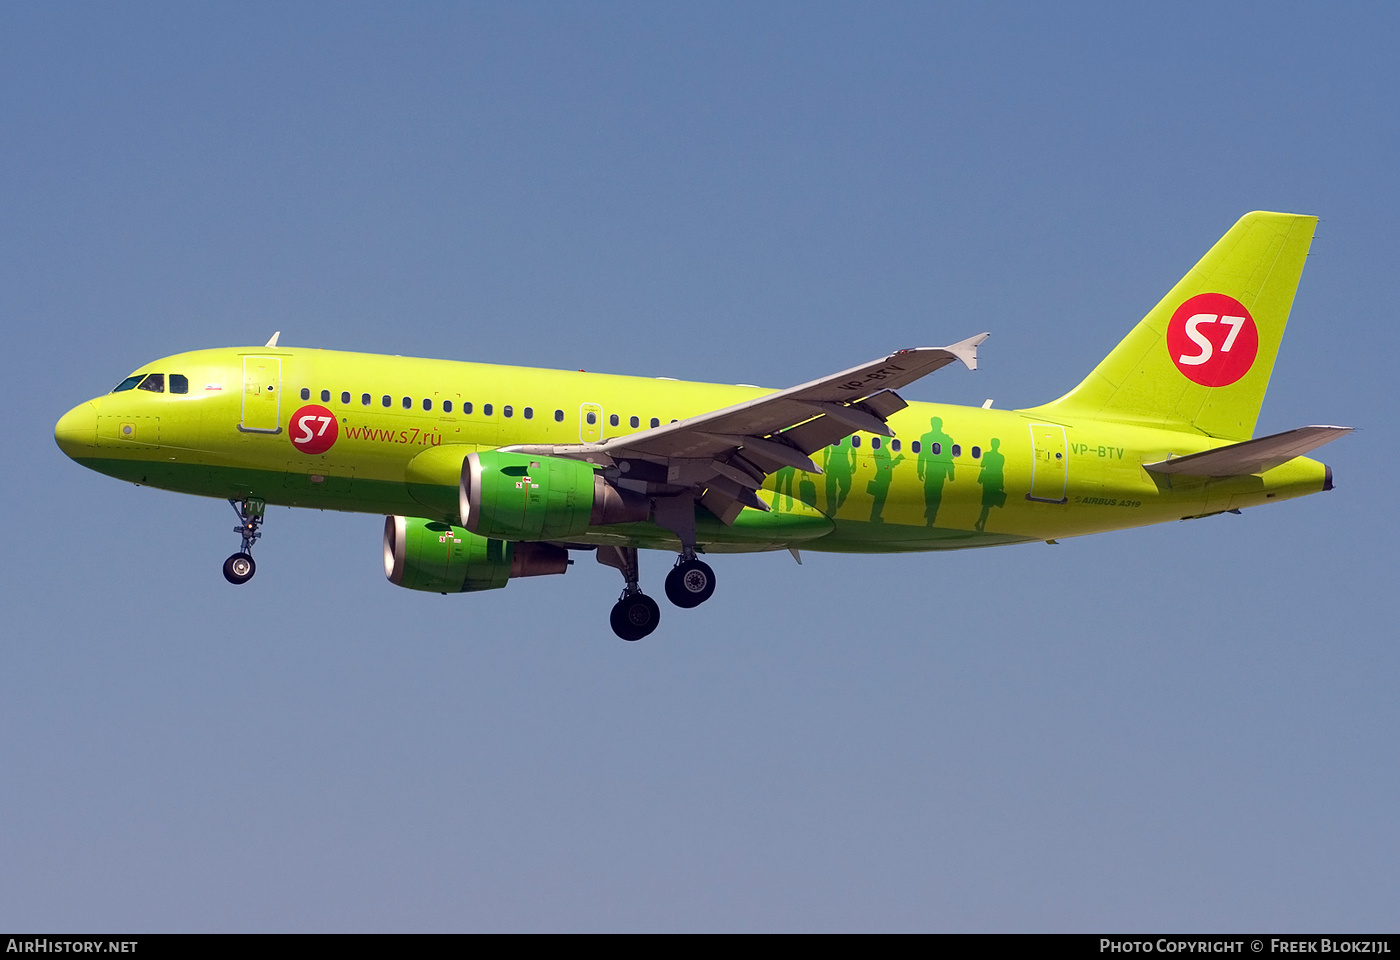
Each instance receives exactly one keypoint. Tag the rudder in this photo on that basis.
(1202, 357)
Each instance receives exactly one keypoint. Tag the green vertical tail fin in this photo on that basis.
(1201, 358)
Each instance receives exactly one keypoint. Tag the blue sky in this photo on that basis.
(1186, 727)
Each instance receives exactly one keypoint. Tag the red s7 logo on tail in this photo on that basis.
(1212, 339)
(313, 429)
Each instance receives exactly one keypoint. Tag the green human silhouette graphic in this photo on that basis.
(782, 484)
(879, 485)
(807, 491)
(935, 465)
(993, 483)
(840, 466)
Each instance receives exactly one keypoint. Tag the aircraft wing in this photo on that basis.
(723, 456)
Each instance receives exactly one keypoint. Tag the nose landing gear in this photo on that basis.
(240, 567)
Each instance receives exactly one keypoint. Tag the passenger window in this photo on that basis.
(128, 384)
(486, 409)
(894, 445)
(179, 383)
(408, 403)
(507, 411)
(592, 418)
(914, 446)
(936, 449)
(874, 443)
(957, 450)
(467, 407)
(427, 404)
(325, 396)
(855, 441)
(613, 419)
(345, 397)
(558, 416)
(364, 399)
(154, 383)
(636, 422)
(305, 393)
(529, 413)
(447, 406)
(976, 453)
(655, 422)
(388, 400)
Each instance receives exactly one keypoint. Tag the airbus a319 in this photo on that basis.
(485, 473)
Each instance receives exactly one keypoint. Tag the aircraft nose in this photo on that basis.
(76, 431)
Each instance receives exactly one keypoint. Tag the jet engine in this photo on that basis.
(517, 496)
(428, 555)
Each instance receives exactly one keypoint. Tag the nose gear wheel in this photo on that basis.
(239, 568)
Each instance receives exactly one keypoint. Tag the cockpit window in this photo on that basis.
(155, 383)
(179, 383)
(129, 383)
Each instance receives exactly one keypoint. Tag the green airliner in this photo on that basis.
(489, 472)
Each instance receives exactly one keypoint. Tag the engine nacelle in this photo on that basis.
(518, 496)
(427, 555)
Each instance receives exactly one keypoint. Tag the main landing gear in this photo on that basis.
(691, 581)
(240, 567)
(635, 615)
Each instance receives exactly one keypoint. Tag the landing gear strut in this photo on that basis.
(691, 581)
(240, 567)
(635, 615)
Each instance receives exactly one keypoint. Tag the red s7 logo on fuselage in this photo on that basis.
(1212, 339)
(313, 429)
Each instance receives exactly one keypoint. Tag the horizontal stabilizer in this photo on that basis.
(1251, 456)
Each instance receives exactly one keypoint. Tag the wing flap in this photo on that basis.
(811, 436)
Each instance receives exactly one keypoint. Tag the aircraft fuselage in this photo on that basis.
(341, 431)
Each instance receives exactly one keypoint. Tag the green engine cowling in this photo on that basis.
(517, 496)
(428, 555)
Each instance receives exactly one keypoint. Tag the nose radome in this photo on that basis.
(76, 431)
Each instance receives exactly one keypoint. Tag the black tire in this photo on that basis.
(239, 568)
(690, 583)
(635, 616)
